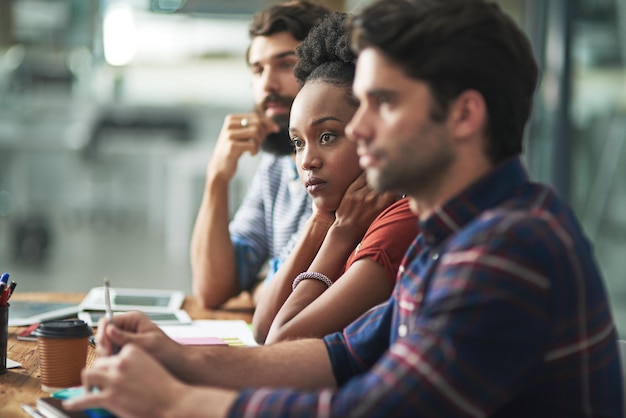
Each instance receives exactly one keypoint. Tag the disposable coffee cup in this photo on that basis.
(62, 347)
(4, 337)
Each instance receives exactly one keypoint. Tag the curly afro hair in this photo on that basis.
(326, 53)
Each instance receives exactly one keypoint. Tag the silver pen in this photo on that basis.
(109, 312)
(107, 300)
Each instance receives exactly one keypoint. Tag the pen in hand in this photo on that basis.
(109, 312)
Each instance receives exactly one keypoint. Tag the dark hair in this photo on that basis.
(326, 54)
(454, 46)
(297, 17)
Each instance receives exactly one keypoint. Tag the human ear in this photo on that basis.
(467, 115)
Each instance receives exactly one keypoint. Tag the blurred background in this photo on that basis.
(109, 110)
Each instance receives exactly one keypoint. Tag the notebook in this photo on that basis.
(53, 408)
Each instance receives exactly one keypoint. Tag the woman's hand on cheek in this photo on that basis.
(360, 206)
(318, 215)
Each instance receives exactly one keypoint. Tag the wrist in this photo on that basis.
(217, 172)
(187, 403)
(311, 275)
(175, 405)
(321, 220)
(216, 181)
(343, 234)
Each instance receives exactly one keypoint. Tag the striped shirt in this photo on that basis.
(266, 224)
(500, 311)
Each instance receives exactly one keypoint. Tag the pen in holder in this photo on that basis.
(4, 336)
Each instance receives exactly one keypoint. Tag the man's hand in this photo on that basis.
(240, 133)
(135, 328)
(131, 384)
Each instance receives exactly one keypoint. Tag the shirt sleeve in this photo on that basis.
(248, 230)
(247, 262)
(352, 352)
(387, 238)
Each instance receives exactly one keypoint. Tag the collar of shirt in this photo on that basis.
(487, 192)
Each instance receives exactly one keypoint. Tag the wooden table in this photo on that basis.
(22, 385)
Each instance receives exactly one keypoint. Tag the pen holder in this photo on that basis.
(62, 347)
(4, 337)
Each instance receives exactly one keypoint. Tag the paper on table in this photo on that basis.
(229, 330)
(200, 341)
(11, 364)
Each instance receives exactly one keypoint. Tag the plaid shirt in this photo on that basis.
(500, 311)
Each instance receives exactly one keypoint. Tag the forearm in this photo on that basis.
(202, 402)
(133, 384)
(279, 288)
(304, 315)
(212, 253)
(330, 260)
(302, 364)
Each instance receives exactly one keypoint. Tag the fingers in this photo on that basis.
(127, 328)
(100, 375)
(240, 133)
(361, 189)
(361, 204)
(103, 345)
(360, 183)
(87, 401)
(249, 130)
(386, 199)
(109, 338)
(130, 384)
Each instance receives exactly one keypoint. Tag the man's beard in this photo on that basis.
(277, 143)
(417, 165)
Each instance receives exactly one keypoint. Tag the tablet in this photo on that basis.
(123, 299)
(27, 313)
(179, 317)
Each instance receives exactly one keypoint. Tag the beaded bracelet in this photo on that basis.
(311, 275)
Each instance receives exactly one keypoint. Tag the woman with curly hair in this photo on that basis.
(347, 256)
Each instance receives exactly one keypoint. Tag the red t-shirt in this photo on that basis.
(387, 238)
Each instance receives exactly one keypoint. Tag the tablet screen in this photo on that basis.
(139, 300)
(123, 299)
(26, 313)
(160, 318)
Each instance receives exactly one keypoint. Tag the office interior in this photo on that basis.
(109, 110)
